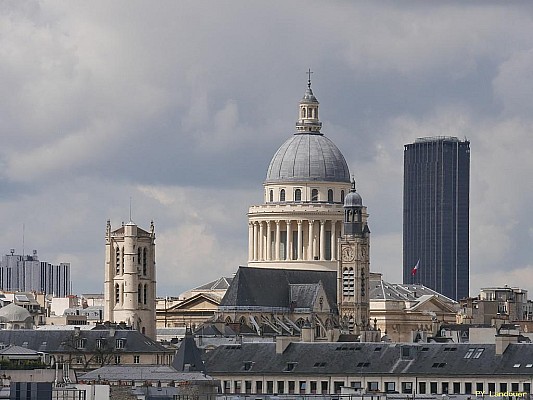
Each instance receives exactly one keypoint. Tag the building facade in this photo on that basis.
(130, 280)
(300, 220)
(25, 273)
(436, 215)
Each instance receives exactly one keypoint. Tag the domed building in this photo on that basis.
(300, 220)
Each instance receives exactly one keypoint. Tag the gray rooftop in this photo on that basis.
(371, 359)
(308, 157)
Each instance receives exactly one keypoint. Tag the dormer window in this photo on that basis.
(120, 343)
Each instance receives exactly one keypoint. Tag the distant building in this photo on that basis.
(25, 273)
(301, 368)
(496, 306)
(130, 286)
(436, 215)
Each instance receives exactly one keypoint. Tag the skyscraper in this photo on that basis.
(436, 214)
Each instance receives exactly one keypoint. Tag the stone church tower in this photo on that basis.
(354, 266)
(130, 277)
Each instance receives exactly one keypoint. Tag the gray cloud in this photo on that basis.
(180, 105)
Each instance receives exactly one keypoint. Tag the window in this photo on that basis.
(302, 387)
(479, 387)
(139, 294)
(313, 387)
(444, 387)
(290, 366)
(356, 385)
(100, 343)
(468, 387)
(330, 195)
(298, 195)
(145, 294)
(373, 386)
(80, 343)
(117, 359)
(144, 261)
(271, 196)
(469, 353)
(503, 387)
(390, 387)
(324, 387)
(248, 387)
(527, 387)
(117, 294)
(117, 260)
(478, 353)
(227, 387)
(139, 258)
(492, 387)
(433, 387)
(119, 343)
(407, 387)
(270, 387)
(281, 387)
(514, 387)
(291, 387)
(258, 387)
(282, 195)
(136, 359)
(337, 386)
(422, 387)
(456, 387)
(342, 196)
(237, 386)
(314, 195)
(247, 366)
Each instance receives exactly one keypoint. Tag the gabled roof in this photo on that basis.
(271, 287)
(219, 284)
(197, 298)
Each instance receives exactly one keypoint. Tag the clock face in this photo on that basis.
(348, 253)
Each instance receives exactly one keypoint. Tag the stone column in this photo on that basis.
(261, 241)
(311, 237)
(322, 239)
(333, 239)
(269, 242)
(278, 241)
(255, 241)
(250, 241)
(289, 240)
(300, 239)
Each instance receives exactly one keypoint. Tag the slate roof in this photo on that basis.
(219, 284)
(381, 290)
(271, 287)
(164, 373)
(188, 357)
(62, 341)
(370, 359)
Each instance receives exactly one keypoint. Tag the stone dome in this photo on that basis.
(353, 199)
(308, 157)
(14, 313)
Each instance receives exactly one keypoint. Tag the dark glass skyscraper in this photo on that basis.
(436, 214)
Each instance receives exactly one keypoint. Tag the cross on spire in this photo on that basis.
(309, 72)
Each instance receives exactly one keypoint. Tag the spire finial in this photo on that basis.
(353, 184)
(309, 72)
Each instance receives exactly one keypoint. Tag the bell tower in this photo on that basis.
(130, 277)
(354, 266)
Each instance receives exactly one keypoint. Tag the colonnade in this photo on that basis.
(293, 240)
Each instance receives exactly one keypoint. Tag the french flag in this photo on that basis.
(415, 268)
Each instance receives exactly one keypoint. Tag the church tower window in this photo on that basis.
(139, 293)
(330, 195)
(117, 294)
(271, 196)
(145, 294)
(282, 195)
(144, 261)
(117, 260)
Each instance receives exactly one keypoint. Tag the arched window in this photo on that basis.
(139, 294)
(139, 255)
(144, 261)
(145, 294)
(117, 294)
(122, 260)
(298, 195)
(122, 294)
(303, 112)
(117, 260)
(271, 196)
(342, 196)
(282, 195)
(330, 196)
(314, 195)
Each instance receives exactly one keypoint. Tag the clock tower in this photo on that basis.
(354, 266)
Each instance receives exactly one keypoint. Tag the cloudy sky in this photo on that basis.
(181, 104)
